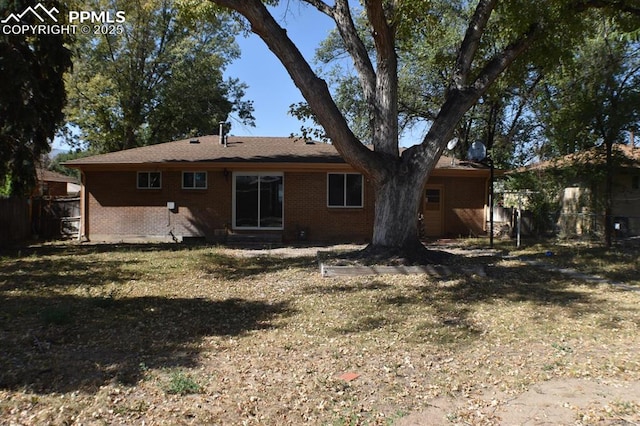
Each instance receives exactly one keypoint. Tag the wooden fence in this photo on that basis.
(15, 223)
(46, 218)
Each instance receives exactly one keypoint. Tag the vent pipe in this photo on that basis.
(223, 137)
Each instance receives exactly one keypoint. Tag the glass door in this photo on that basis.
(258, 200)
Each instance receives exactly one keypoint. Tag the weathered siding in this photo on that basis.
(464, 204)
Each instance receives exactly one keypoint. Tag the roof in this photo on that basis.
(238, 149)
(627, 155)
(51, 176)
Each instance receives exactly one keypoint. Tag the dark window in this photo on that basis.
(433, 196)
(344, 190)
(149, 180)
(194, 180)
(432, 199)
(259, 201)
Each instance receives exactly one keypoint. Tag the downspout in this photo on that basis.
(82, 231)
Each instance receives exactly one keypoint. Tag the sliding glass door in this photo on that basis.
(258, 200)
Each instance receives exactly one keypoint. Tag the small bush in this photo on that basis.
(181, 384)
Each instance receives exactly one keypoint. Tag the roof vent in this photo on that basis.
(194, 141)
(309, 143)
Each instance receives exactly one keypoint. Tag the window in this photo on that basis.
(344, 190)
(194, 180)
(149, 180)
(432, 196)
(258, 200)
(432, 199)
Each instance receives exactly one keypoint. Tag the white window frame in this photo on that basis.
(148, 173)
(344, 201)
(206, 180)
(233, 201)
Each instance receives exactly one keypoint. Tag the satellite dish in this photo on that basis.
(452, 144)
(477, 151)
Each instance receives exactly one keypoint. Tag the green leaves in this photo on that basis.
(162, 79)
(31, 100)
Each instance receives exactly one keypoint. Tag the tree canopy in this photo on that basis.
(160, 79)
(469, 46)
(32, 97)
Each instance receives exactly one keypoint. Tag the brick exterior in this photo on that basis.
(113, 208)
(116, 209)
(306, 209)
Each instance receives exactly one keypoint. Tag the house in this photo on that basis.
(54, 184)
(281, 188)
(55, 205)
(582, 198)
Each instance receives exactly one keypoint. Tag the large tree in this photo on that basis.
(494, 36)
(32, 97)
(158, 77)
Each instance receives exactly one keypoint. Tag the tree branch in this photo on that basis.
(385, 105)
(459, 99)
(471, 42)
(314, 89)
(341, 14)
(502, 61)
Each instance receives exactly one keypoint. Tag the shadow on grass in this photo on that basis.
(75, 249)
(448, 305)
(356, 287)
(66, 343)
(49, 267)
(227, 267)
(65, 325)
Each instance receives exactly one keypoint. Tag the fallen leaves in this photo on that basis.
(268, 341)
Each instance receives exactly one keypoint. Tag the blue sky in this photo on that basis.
(270, 87)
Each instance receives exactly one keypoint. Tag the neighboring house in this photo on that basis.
(54, 184)
(55, 205)
(279, 187)
(583, 196)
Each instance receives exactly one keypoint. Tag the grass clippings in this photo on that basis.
(168, 334)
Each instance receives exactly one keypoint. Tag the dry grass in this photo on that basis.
(620, 263)
(169, 334)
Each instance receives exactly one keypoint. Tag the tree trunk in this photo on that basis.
(396, 211)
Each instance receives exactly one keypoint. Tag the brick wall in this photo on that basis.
(306, 209)
(117, 210)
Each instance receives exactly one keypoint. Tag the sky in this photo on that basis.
(270, 87)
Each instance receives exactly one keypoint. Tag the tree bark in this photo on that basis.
(396, 211)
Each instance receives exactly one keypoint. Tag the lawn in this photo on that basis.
(171, 334)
